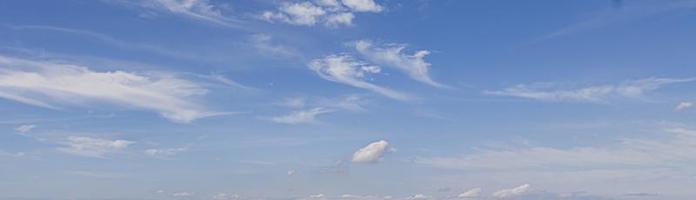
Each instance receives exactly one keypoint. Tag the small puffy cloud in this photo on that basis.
(590, 94)
(683, 106)
(331, 13)
(470, 194)
(50, 85)
(371, 153)
(93, 147)
(291, 172)
(393, 56)
(362, 5)
(346, 70)
(164, 152)
(226, 196)
(25, 128)
(317, 196)
(302, 116)
(512, 192)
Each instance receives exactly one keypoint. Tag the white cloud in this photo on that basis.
(182, 194)
(362, 5)
(50, 85)
(592, 94)
(418, 196)
(305, 13)
(225, 196)
(345, 69)
(370, 153)
(302, 116)
(164, 152)
(512, 192)
(683, 106)
(316, 196)
(264, 44)
(93, 147)
(201, 10)
(330, 13)
(25, 128)
(393, 56)
(634, 153)
(470, 194)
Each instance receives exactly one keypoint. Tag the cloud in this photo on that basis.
(418, 196)
(683, 106)
(25, 128)
(370, 153)
(629, 153)
(512, 192)
(93, 147)
(470, 194)
(362, 5)
(302, 116)
(393, 56)
(591, 94)
(164, 152)
(331, 13)
(346, 70)
(182, 194)
(51, 85)
(201, 10)
(264, 44)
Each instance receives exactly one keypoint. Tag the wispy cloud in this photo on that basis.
(346, 70)
(592, 94)
(49, 84)
(25, 128)
(512, 192)
(93, 147)
(165, 152)
(330, 13)
(628, 11)
(302, 116)
(635, 153)
(371, 153)
(201, 10)
(393, 56)
(470, 194)
(112, 41)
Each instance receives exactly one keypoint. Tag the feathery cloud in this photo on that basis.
(592, 94)
(93, 147)
(202, 10)
(166, 152)
(25, 128)
(50, 85)
(470, 194)
(683, 106)
(512, 192)
(346, 70)
(393, 56)
(302, 116)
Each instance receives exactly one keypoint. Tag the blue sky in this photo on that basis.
(347, 99)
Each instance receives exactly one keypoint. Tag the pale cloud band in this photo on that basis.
(51, 85)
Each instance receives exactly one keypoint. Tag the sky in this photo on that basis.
(347, 99)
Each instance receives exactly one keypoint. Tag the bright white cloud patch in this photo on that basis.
(345, 69)
(393, 56)
(51, 85)
(512, 192)
(592, 94)
(93, 147)
(330, 13)
(371, 153)
(362, 5)
(300, 117)
(683, 106)
(470, 194)
(25, 128)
